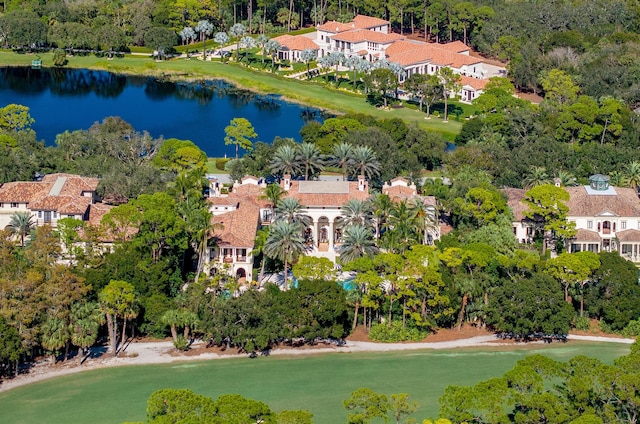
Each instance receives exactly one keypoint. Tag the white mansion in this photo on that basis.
(607, 218)
(371, 39)
(243, 211)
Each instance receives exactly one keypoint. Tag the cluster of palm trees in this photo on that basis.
(305, 160)
(629, 176)
(366, 225)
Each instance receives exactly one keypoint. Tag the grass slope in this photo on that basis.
(310, 93)
(319, 383)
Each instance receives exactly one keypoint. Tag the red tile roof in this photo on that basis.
(296, 42)
(628, 235)
(475, 83)
(358, 35)
(587, 235)
(363, 21)
(320, 199)
(239, 227)
(407, 52)
(456, 46)
(333, 26)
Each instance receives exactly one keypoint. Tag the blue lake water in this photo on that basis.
(65, 99)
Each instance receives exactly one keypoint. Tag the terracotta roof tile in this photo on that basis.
(334, 26)
(239, 226)
(628, 235)
(456, 46)
(319, 199)
(586, 235)
(296, 42)
(409, 52)
(357, 35)
(20, 192)
(365, 22)
(475, 83)
(625, 203)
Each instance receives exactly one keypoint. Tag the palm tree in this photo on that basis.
(537, 176)
(310, 159)
(186, 34)
(404, 228)
(365, 162)
(237, 31)
(271, 48)
(248, 43)
(262, 235)
(55, 335)
(632, 174)
(222, 38)
(566, 179)
(205, 28)
(21, 224)
(261, 41)
(285, 160)
(289, 209)
(273, 193)
(307, 56)
(357, 242)
(342, 157)
(382, 208)
(86, 318)
(356, 212)
(285, 243)
(426, 217)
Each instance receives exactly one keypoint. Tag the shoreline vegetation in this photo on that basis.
(313, 94)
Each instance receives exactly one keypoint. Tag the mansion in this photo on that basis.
(606, 218)
(54, 197)
(371, 38)
(243, 211)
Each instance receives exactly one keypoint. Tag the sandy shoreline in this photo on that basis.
(147, 353)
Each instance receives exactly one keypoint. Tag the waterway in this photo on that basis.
(70, 99)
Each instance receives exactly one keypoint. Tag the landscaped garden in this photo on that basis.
(318, 383)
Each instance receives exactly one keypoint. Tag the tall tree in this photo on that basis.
(342, 157)
(357, 242)
(204, 28)
(117, 301)
(21, 224)
(285, 243)
(547, 207)
(285, 160)
(365, 162)
(310, 159)
(239, 132)
(451, 86)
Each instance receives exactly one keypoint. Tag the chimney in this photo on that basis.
(362, 183)
(287, 181)
(413, 188)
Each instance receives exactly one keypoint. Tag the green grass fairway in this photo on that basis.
(319, 383)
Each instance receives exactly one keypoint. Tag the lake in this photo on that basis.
(70, 99)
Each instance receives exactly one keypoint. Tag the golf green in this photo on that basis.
(318, 383)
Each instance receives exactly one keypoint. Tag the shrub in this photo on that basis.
(182, 343)
(221, 162)
(581, 323)
(395, 333)
(632, 329)
(59, 57)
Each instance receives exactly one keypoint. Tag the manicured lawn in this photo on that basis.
(316, 94)
(319, 383)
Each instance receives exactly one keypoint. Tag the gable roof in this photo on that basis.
(407, 52)
(366, 22)
(475, 83)
(456, 46)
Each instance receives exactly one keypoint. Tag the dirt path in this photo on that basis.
(145, 353)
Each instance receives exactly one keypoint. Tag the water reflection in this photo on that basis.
(68, 99)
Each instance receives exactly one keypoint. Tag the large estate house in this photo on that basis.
(54, 197)
(371, 38)
(244, 210)
(606, 218)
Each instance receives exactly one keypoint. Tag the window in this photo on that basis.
(590, 225)
(55, 214)
(1, 205)
(39, 214)
(623, 225)
(14, 205)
